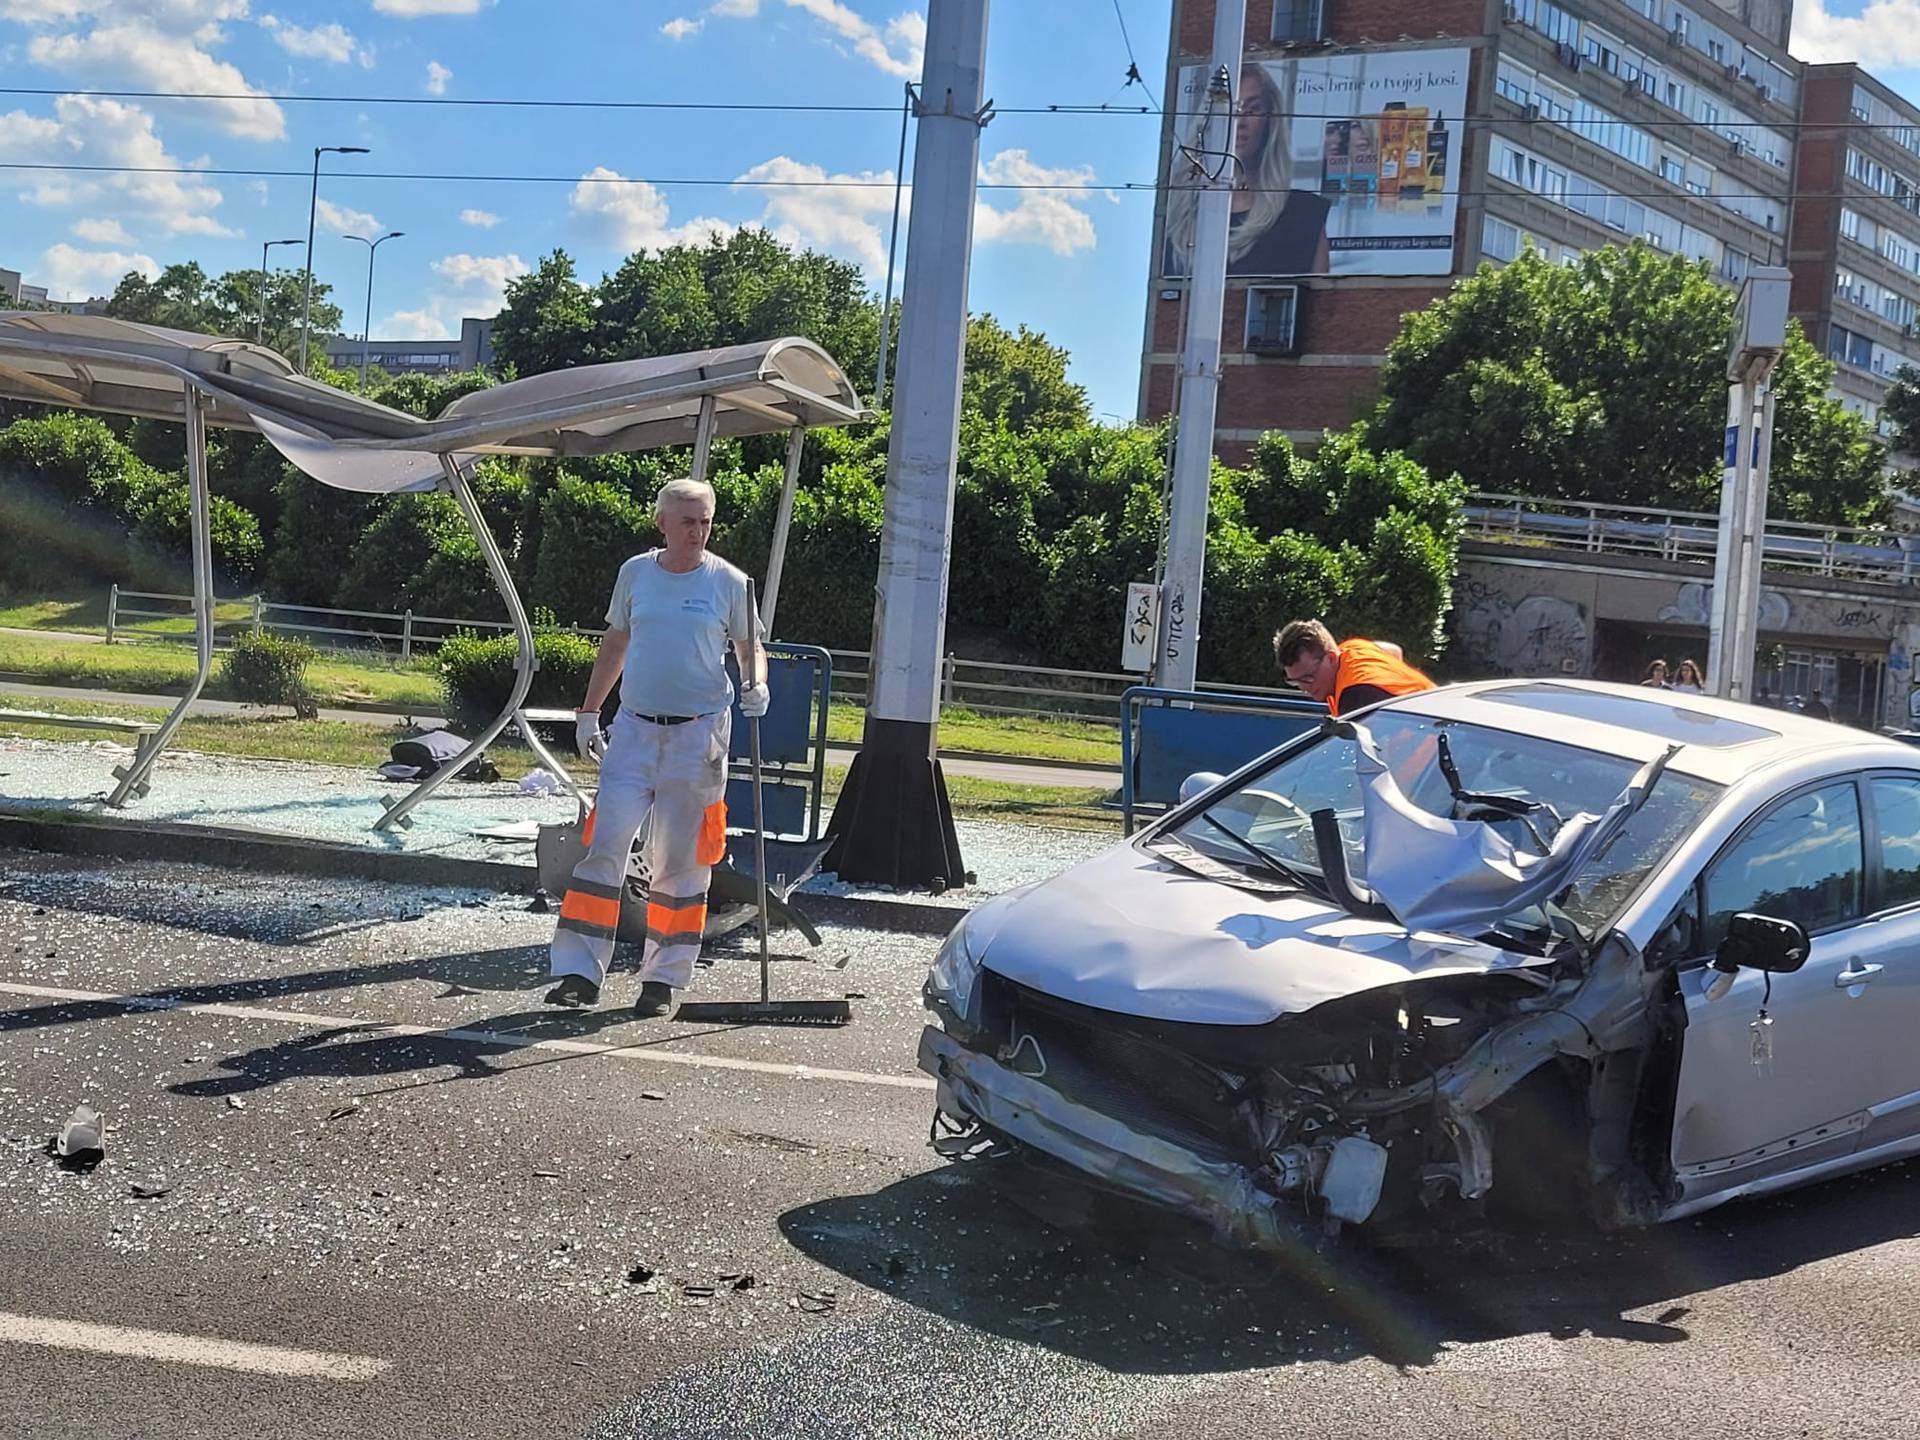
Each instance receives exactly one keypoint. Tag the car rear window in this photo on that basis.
(1649, 716)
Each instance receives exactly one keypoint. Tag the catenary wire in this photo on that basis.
(1133, 65)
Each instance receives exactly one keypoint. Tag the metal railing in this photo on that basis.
(985, 686)
(1841, 551)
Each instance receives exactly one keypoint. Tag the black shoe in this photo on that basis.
(656, 998)
(574, 992)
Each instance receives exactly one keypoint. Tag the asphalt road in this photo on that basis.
(398, 1199)
(1011, 771)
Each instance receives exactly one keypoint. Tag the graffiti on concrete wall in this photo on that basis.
(1536, 636)
(1695, 600)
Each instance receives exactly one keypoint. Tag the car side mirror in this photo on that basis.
(1198, 783)
(1761, 942)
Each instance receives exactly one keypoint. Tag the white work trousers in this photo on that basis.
(677, 774)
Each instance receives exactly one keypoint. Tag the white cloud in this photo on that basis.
(184, 15)
(428, 324)
(332, 42)
(897, 48)
(102, 232)
(735, 9)
(1886, 34)
(632, 215)
(340, 220)
(680, 27)
(71, 274)
(414, 9)
(88, 130)
(481, 280)
(480, 219)
(437, 77)
(139, 53)
(1053, 218)
(838, 214)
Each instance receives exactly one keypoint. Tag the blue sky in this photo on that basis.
(1069, 262)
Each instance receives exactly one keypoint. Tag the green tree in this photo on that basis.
(1902, 409)
(1019, 378)
(547, 319)
(1606, 381)
(182, 297)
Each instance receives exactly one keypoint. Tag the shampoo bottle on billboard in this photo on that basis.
(1393, 144)
(1437, 141)
(1363, 158)
(1335, 156)
(1413, 163)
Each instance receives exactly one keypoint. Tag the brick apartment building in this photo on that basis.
(1856, 232)
(1426, 137)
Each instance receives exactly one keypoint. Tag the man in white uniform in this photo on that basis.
(673, 613)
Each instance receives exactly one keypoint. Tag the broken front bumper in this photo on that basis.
(1219, 1192)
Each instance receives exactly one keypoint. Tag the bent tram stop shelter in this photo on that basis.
(86, 362)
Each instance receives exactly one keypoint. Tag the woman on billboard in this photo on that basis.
(1276, 229)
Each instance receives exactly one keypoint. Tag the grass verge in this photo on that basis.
(270, 736)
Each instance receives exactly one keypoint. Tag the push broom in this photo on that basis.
(766, 1010)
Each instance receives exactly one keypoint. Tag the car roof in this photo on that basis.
(1721, 740)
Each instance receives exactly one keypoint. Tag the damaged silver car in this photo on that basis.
(1495, 952)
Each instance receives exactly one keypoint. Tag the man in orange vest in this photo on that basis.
(1348, 674)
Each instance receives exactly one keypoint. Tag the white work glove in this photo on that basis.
(588, 738)
(754, 701)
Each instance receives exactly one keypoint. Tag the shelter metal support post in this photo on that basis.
(133, 775)
(525, 662)
(782, 523)
(702, 439)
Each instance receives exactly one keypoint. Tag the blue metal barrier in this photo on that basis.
(1167, 735)
(793, 745)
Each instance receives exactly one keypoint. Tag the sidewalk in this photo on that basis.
(1008, 769)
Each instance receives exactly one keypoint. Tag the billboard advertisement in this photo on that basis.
(1345, 165)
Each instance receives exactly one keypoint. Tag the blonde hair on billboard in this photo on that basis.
(1269, 178)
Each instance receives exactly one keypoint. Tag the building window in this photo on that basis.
(1296, 20)
(1271, 314)
(1499, 240)
(1672, 171)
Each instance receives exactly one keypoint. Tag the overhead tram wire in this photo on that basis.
(1126, 187)
(1134, 77)
(830, 108)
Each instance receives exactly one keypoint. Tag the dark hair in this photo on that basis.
(1296, 637)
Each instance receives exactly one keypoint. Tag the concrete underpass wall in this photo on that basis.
(1522, 610)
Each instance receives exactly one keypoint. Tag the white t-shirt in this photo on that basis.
(679, 627)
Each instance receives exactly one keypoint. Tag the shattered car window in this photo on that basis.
(1526, 785)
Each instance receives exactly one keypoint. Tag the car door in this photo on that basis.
(1738, 1119)
(1886, 961)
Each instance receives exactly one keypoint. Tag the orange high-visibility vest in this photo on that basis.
(1368, 674)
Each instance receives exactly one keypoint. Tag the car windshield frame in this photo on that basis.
(1278, 821)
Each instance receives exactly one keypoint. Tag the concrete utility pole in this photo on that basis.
(1177, 657)
(1733, 624)
(893, 823)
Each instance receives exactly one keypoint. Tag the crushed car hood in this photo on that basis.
(1131, 932)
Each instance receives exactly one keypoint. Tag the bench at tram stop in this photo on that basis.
(1167, 736)
(142, 731)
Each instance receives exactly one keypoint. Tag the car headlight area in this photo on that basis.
(953, 984)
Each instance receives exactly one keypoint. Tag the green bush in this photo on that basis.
(476, 672)
(164, 530)
(265, 669)
(588, 530)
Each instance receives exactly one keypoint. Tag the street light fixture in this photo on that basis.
(260, 325)
(313, 205)
(366, 333)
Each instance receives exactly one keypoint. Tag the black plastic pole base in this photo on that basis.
(893, 823)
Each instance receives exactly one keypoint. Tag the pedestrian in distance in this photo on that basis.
(1687, 678)
(1345, 674)
(1656, 675)
(674, 611)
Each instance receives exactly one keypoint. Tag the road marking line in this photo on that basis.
(188, 1349)
(479, 1037)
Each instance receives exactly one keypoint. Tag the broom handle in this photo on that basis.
(759, 817)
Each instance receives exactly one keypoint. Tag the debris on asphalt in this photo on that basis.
(697, 1292)
(540, 904)
(234, 1102)
(739, 1280)
(898, 1265)
(815, 1302)
(652, 1095)
(546, 1174)
(640, 1275)
(341, 1112)
(81, 1143)
(148, 1192)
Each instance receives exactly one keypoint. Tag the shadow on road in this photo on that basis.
(1138, 1292)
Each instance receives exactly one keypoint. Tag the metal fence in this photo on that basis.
(988, 687)
(1840, 551)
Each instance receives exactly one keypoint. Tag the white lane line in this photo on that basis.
(475, 1037)
(188, 1349)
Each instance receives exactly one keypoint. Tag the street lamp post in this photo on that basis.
(366, 332)
(260, 325)
(313, 206)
